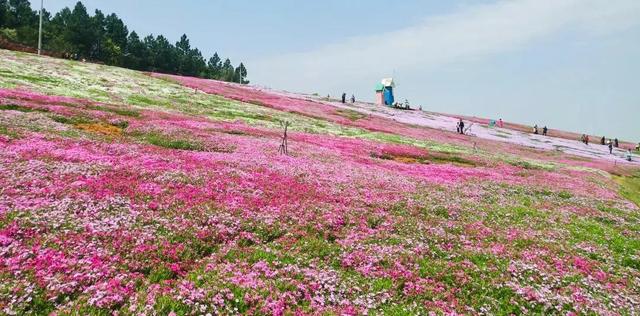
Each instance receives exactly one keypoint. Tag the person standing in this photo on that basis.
(353, 98)
(500, 123)
(344, 97)
(586, 139)
(615, 143)
(602, 140)
(628, 154)
(610, 147)
(535, 129)
(461, 127)
(544, 131)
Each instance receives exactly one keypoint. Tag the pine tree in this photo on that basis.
(116, 30)
(243, 74)
(115, 40)
(4, 14)
(164, 55)
(80, 31)
(198, 63)
(97, 45)
(183, 49)
(20, 14)
(228, 72)
(214, 67)
(136, 54)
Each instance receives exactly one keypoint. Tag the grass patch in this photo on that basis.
(120, 111)
(143, 100)
(171, 142)
(630, 188)
(609, 235)
(165, 305)
(31, 79)
(351, 114)
(160, 274)
(74, 120)
(319, 248)
(453, 159)
(233, 115)
(529, 164)
(13, 107)
(7, 132)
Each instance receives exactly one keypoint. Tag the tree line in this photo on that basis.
(105, 38)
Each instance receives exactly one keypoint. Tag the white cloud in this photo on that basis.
(470, 33)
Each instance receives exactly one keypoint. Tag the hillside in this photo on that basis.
(137, 193)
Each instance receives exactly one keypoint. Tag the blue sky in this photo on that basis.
(568, 64)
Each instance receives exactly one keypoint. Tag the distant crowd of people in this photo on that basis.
(611, 144)
(460, 127)
(536, 131)
(344, 98)
(585, 139)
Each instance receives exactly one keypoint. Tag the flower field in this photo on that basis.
(124, 193)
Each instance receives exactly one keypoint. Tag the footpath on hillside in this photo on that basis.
(483, 131)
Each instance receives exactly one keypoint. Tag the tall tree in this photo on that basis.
(214, 66)
(57, 30)
(228, 72)
(20, 14)
(136, 53)
(163, 55)
(97, 46)
(4, 12)
(80, 31)
(242, 74)
(198, 63)
(183, 51)
(116, 32)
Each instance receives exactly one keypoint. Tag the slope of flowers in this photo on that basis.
(411, 125)
(98, 222)
(108, 208)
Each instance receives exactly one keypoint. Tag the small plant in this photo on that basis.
(284, 147)
(120, 123)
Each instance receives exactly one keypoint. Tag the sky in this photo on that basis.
(567, 64)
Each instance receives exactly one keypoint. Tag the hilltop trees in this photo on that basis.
(3, 12)
(106, 38)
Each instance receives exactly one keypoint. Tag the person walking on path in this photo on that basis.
(610, 147)
(544, 131)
